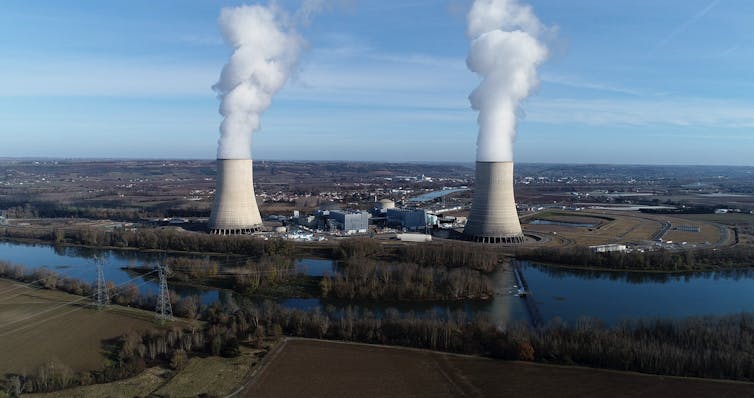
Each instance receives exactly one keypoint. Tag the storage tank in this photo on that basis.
(384, 204)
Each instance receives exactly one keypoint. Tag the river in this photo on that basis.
(557, 292)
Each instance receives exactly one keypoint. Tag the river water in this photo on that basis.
(567, 294)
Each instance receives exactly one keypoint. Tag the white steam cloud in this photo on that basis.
(266, 48)
(505, 52)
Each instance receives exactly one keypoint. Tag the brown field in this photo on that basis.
(727, 218)
(707, 233)
(624, 228)
(312, 368)
(37, 326)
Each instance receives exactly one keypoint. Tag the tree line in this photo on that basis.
(710, 347)
(363, 278)
(153, 239)
(109, 210)
(445, 255)
(655, 260)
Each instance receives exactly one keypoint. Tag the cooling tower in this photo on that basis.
(235, 208)
(493, 217)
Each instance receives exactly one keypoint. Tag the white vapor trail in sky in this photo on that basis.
(266, 48)
(685, 25)
(505, 51)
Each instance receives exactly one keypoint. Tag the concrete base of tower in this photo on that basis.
(234, 210)
(235, 231)
(493, 217)
(498, 240)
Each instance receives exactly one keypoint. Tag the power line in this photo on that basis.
(41, 321)
(70, 302)
(22, 284)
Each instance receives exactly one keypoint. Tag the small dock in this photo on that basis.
(525, 294)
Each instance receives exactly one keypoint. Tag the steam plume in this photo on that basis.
(266, 48)
(505, 52)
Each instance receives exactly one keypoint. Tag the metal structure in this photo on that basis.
(164, 309)
(493, 217)
(234, 211)
(103, 298)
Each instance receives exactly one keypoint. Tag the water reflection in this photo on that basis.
(557, 292)
(614, 296)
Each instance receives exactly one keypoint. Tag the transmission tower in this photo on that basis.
(103, 298)
(164, 309)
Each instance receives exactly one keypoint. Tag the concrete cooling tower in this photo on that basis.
(234, 211)
(493, 217)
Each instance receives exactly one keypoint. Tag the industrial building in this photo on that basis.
(350, 222)
(234, 210)
(408, 219)
(386, 214)
(493, 217)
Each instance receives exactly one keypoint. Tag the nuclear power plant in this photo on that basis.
(234, 211)
(493, 217)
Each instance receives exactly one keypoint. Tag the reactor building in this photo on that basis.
(234, 211)
(493, 217)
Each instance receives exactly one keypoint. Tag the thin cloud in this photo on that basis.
(686, 24)
(597, 86)
(106, 77)
(679, 112)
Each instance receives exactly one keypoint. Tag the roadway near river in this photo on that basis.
(317, 368)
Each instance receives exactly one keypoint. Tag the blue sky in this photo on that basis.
(658, 82)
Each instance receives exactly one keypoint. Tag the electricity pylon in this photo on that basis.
(164, 309)
(103, 298)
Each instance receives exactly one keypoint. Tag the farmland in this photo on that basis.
(624, 227)
(39, 326)
(312, 368)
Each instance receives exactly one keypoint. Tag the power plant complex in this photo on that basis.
(498, 31)
(493, 217)
(234, 210)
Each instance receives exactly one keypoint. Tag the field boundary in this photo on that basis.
(524, 363)
(257, 371)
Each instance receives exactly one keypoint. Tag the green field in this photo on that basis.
(213, 376)
(38, 326)
(139, 386)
